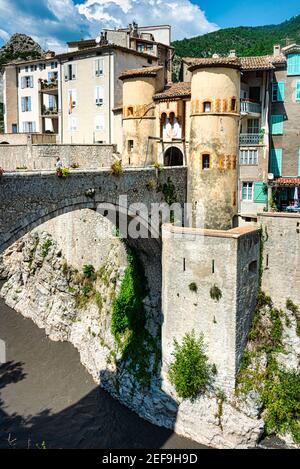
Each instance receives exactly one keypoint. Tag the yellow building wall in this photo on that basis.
(213, 191)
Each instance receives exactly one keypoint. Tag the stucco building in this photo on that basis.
(230, 121)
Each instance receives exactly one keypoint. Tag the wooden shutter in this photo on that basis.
(260, 192)
(280, 93)
(276, 161)
(294, 64)
(277, 124)
(298, 91)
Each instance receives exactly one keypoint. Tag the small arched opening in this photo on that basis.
(173, 157)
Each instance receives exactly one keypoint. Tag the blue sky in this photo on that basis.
(53, 22)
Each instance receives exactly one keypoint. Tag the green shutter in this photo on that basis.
(298, 91)
(260, 193)
(294, 64)
(280, 96)
(276, 161)
(276, 124)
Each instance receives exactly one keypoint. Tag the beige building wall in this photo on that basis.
(10, 98)
(87, 122)
(139, 119)
(213, 191)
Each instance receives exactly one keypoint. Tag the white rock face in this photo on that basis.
(41, 287)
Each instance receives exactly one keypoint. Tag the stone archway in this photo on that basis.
(173, 157)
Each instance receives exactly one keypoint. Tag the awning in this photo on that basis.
(286, 182)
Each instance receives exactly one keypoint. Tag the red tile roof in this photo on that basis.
(141, 72)
(286, 181)
(264, 62)
(176, 90)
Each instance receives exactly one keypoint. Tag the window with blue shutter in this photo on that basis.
(260, 192)
(276, 124)
(293, 64)
(23, 104)
(297, 90)
(278, 91)
(29, 103)
(276, 161)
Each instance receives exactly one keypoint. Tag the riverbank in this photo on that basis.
(48, 398)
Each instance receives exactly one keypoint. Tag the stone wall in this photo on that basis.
(194, 262)
(281, 256)
(44, 156)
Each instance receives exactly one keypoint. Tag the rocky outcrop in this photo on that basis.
(20, 46)
(42, 286)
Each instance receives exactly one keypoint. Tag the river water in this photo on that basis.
(49, 399)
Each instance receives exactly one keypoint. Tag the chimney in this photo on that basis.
(215, 56)
(276, 50)
(232, 53)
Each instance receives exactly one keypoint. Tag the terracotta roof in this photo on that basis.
(264, 62)
(93, 50)
(141, 72)
(176, 90)
(286, 181)
(194, 63)
(257, 63)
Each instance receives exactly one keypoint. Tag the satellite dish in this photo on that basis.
(98, 39)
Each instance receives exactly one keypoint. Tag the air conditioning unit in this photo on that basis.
(99, 73)
(99, 101)
(73, 103)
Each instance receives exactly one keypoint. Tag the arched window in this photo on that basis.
(207, 106)
(206, 161)
(233, 104)
(129, 111)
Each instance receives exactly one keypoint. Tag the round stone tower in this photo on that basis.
(139, 87)
(212, 173)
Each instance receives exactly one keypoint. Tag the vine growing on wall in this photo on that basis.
(128, 326)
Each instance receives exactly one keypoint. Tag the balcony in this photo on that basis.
(251, 139)
(250, 107)
(49, 111)
(50, 86)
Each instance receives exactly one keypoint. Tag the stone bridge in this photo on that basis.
(30, 198)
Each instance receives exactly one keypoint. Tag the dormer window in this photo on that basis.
(207, 106)
(205, 161)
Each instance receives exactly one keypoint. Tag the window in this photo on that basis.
(293, 64)
(70, 72)
(129, 146)
(276, 124)
(14, 128)
(129, 111)
(205, 161)
(140, 47)
(53, 65)
(52, 76)
(28, 127)
(207, 106)
(72, 123)
(26, 68)
(233, 104)
(99, 122)
(253, 267)
(72, 100)
(26, 103)
(249, 157)
(99, 65)
(99, 95)
(247, 191)
(297, 90)
(278, 91)
(51, 101)
(253, 126)
(27, 82)
(32, 68)
(276, 161)
(42, 67)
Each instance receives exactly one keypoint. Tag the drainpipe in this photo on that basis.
(109, 99)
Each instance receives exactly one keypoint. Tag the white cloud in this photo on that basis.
(186, 18)
(53, 22)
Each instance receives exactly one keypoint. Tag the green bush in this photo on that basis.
(89, 271)
(281, 398)
(46, 247)
(190, 371)
(193, 287)
(215, 293)
(116, 168)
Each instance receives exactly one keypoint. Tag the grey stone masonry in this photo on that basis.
(281, 256)
(196, 264)
(29, 199)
